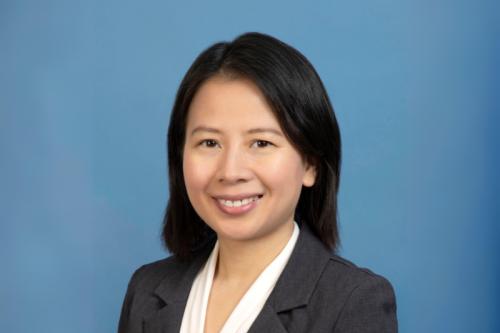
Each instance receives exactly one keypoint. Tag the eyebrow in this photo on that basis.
(250, 131)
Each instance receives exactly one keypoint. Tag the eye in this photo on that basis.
(263, 143)
(208, 143)
(211, 143)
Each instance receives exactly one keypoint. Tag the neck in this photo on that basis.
(243, 261)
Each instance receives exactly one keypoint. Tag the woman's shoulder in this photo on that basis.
(149, 275)
(343, 274)
(357, 288)
(146, 292)
(352, 294)
(344, 269)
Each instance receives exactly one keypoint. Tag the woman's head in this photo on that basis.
(252, 82)
(243, 176)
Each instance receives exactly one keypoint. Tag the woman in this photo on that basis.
(254, 162)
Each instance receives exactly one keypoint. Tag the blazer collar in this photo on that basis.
(293, 288)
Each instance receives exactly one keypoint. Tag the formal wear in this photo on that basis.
(250, 304)
(317, 291)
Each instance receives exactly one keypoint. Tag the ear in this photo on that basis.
(309, 176)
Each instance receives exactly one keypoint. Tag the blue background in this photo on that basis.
(86, 89)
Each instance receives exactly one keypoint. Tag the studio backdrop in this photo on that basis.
(86, 90)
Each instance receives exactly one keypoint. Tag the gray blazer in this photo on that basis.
(317, 291)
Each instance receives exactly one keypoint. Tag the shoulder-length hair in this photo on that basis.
(301, 104)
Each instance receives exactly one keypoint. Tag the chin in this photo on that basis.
(235, 232)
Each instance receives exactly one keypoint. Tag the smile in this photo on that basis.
(238, 207)
(238, 203)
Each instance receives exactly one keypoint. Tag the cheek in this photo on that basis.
(283, 172)
(192, 176)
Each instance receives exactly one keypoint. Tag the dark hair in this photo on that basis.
(299, 101)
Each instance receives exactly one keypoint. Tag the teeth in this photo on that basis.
(238, 203)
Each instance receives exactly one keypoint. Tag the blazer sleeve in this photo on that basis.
(371, 307)
(128, 323)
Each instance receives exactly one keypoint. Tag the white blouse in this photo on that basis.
(250, 305)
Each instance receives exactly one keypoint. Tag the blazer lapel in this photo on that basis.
(295, 284)
(293, 288)
(174, 291)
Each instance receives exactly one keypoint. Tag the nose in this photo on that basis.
(233, 166)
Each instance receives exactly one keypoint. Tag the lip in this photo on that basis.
(237, 196)
(236, 211)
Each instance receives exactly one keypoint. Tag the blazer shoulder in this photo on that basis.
(368, 299)
(148, 276)
(342, 277)
(360, 295)
(345, 268)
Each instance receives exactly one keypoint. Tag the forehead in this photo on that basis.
(231, 104)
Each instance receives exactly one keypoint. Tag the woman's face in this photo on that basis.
(235, 149)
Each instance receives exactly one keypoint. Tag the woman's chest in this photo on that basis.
(221, 303)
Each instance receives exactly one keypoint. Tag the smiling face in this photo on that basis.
(226, 156)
